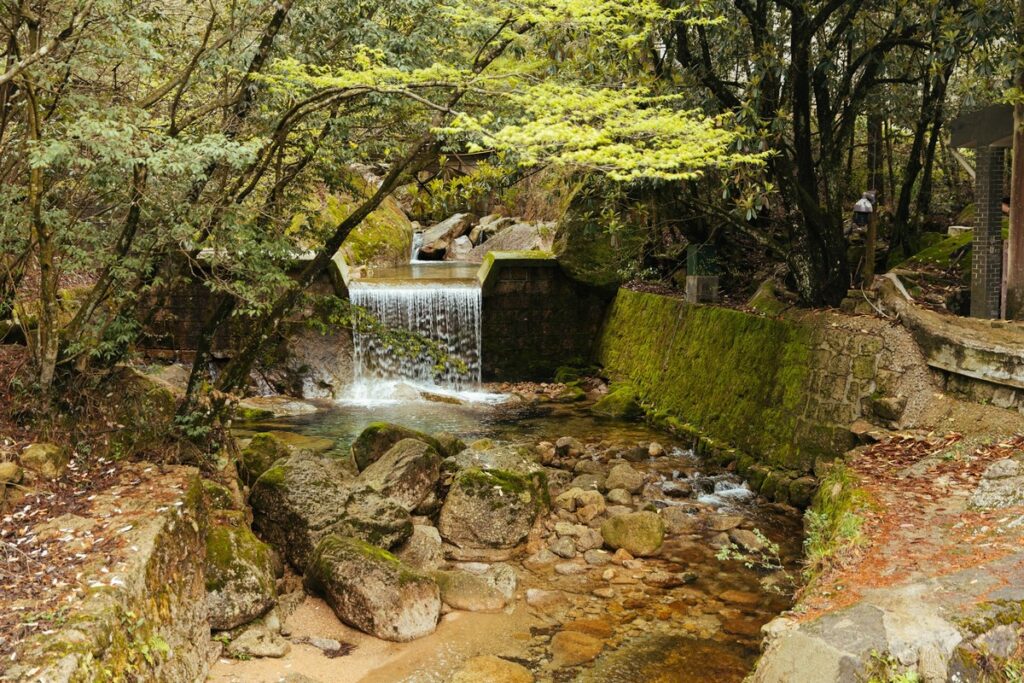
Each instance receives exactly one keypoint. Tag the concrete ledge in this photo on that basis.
(494, 261)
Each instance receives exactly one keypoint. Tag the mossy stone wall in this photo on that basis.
(778, 393)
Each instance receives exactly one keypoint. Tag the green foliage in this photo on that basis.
(834, 520)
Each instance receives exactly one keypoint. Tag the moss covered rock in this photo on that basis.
(240, 581)
(450, 444)
(384, 238)
(299, 501)
(640, 533)
(371, 590)
(263, 450)
(622, 403)
(407, 474)
(585, 247)
(48, 460)
(378, 438)
(489, 508)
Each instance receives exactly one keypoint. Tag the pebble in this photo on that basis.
(620, 497)
(604, 592)
(536, 597)
(655, 450)
(564, 547)
(597, 558)
(570, 568)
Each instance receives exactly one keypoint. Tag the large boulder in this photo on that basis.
(437, 238)
(407, 474)
(491, 457)
(586, 249)
(458, 249)
(488, 227)
(240, 577)
(378, 438)
(371, 590)
(423, 550)
(262, 451)
(299, 501)
(639, 533)
(519, 237)
(490, 508)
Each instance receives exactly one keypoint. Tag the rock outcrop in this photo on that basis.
(407, 474)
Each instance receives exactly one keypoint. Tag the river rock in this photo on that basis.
(301, 500)
(258, 641)
(724, 522)
(625, 477)
(449, 444)
(371, 590)
(571, 648)
(240, 574)
(545, 599)
(640, 533)
(588, 482)
(48, 460)
(597, 558)
(378, 438)
(488, 227)
(406, 474)
(492, 457)
(489, 509)
(679, 520)
(655, 450)
(747, 540)
(423, 550)
(564, 547)
(619, 497)
(470, 592)
(491, 669)
(458, 249)
(569, 447)
(621, 402)
(576, 497)
(259, 455)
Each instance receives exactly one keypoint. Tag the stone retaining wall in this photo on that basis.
(777, 395)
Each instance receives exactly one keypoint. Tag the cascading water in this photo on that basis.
(445, 315)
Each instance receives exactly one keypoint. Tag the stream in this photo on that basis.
(683, 615)
(577, 611)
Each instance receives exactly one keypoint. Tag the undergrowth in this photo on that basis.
(834, 521)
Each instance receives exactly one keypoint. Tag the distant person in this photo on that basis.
(1006, 206)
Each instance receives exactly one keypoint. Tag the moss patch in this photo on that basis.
(622, 402)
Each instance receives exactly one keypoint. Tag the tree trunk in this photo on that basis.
(876, 176)
(1015, 261)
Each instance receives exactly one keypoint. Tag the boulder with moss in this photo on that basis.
(586, 249)
(622, 403)
(299, 501)
(639, 533)
(407, 474)
(371, 590)
(262, 451)
(378, 438)
(490, 508)
(240, 577)
(48, 460)
(384, 238)
(450, 444)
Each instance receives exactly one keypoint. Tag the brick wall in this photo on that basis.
(535, 318)
(987, 264)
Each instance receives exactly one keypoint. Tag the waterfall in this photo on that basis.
(446, 313)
